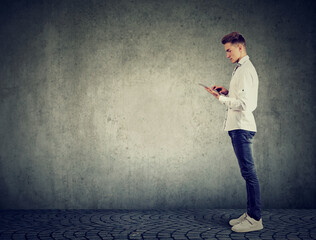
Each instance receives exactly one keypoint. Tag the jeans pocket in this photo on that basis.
(250, 136)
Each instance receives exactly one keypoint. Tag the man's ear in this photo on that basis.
(240, 46)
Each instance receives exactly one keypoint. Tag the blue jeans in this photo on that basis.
(242, 144)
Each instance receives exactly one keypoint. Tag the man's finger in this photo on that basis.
(212, 92)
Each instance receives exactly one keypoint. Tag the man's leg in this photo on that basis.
(242, 144)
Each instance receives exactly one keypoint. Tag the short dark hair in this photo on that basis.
(233, 38)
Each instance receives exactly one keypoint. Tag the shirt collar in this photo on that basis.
(243, 60)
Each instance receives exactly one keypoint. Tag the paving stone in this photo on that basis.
(183, 224)
(180, 238)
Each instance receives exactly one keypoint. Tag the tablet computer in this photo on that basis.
(209, 87)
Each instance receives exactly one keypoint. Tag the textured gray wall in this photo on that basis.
(101, 107)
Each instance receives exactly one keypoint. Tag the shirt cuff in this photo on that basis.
(222, 99)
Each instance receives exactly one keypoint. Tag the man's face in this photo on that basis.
(233, 51)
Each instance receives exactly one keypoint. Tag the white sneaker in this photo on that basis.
(248, 225)
(234, 222)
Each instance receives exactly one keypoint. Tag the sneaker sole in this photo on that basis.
(252, 230)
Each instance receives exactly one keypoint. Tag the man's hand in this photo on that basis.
(214, 93)
(220, 89)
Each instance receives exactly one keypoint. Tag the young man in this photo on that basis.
(241, 101)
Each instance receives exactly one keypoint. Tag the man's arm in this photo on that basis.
(242, 102)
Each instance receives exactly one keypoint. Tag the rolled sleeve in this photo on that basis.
(232, 103)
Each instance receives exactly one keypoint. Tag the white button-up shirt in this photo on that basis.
(242, 98)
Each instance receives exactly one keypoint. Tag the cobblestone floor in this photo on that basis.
(151, 224)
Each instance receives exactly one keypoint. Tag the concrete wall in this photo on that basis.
(101, 107)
